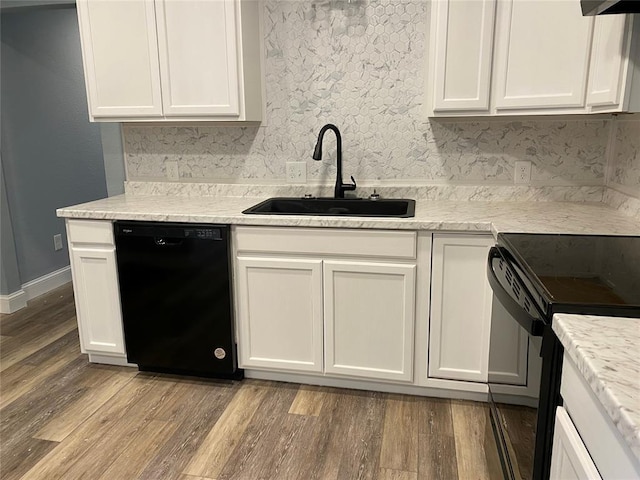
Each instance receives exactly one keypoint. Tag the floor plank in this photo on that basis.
(75, 414)
(17, 349)
(224, 437)
(132, 460)
(187, 392)
(47, 311)
(173, 457)
(308, 401)
(28, 413)
(436, 441)
(354, 421)
(260, 449)
(476, 457)
(389, 474)
(42, 309)
(85, 438)
(24, 454)
(400, 437)
(17, 385)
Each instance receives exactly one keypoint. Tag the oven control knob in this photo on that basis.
(219, 353)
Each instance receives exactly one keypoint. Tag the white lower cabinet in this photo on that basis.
(463, 310)
(301, 307)
(95, 284)
(369, 318)
(280, 313)
(586, 442)
(390, 306)
(570, 459)
(460, 307)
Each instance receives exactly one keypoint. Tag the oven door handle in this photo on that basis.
(534, 326)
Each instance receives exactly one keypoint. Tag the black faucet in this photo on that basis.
(317, 155)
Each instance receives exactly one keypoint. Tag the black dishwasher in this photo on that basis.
(176, 297)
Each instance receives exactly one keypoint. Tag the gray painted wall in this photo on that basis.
(9, 276)
(51, 154)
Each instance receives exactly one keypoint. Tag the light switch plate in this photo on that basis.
(57, 242)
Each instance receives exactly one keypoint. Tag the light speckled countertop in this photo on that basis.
(475, 216)
(610, 362)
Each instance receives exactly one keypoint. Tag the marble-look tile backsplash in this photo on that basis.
(361, 65)
(625, 161)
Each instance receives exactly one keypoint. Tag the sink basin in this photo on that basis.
(348, 207)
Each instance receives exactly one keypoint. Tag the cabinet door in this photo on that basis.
(280, 313)
(120, 53)
(542, 54)
(198, 57)
(95, 283)
(570, 459)
(460, 307)
(369, 316)
(461, 49)
(608, 66)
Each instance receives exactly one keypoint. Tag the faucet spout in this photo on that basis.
(340, 187)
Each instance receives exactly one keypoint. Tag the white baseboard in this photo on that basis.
(110, 360)
(47, 282)
(30, 290)
(13, 302)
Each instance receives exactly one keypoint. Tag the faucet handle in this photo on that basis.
(350, 186)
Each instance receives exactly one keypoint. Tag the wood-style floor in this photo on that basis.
(64, 418)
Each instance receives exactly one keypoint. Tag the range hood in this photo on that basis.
(604, 7)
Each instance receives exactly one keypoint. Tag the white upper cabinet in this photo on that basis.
(120, 53)
(542, 54)
(526, 57)
(194, 82)
(608, 63)
(172, 60)
(462, 81)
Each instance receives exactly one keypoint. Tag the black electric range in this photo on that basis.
(535, 276)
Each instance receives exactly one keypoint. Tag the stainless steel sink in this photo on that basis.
(348, 207)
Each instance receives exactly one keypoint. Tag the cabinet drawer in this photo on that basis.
(90, 231)
(609, 451)
(570, 458)
(317, 241)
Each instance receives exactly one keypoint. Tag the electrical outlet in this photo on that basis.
(57, 242)
(296, 172)
(522, 173)
(172, 170)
